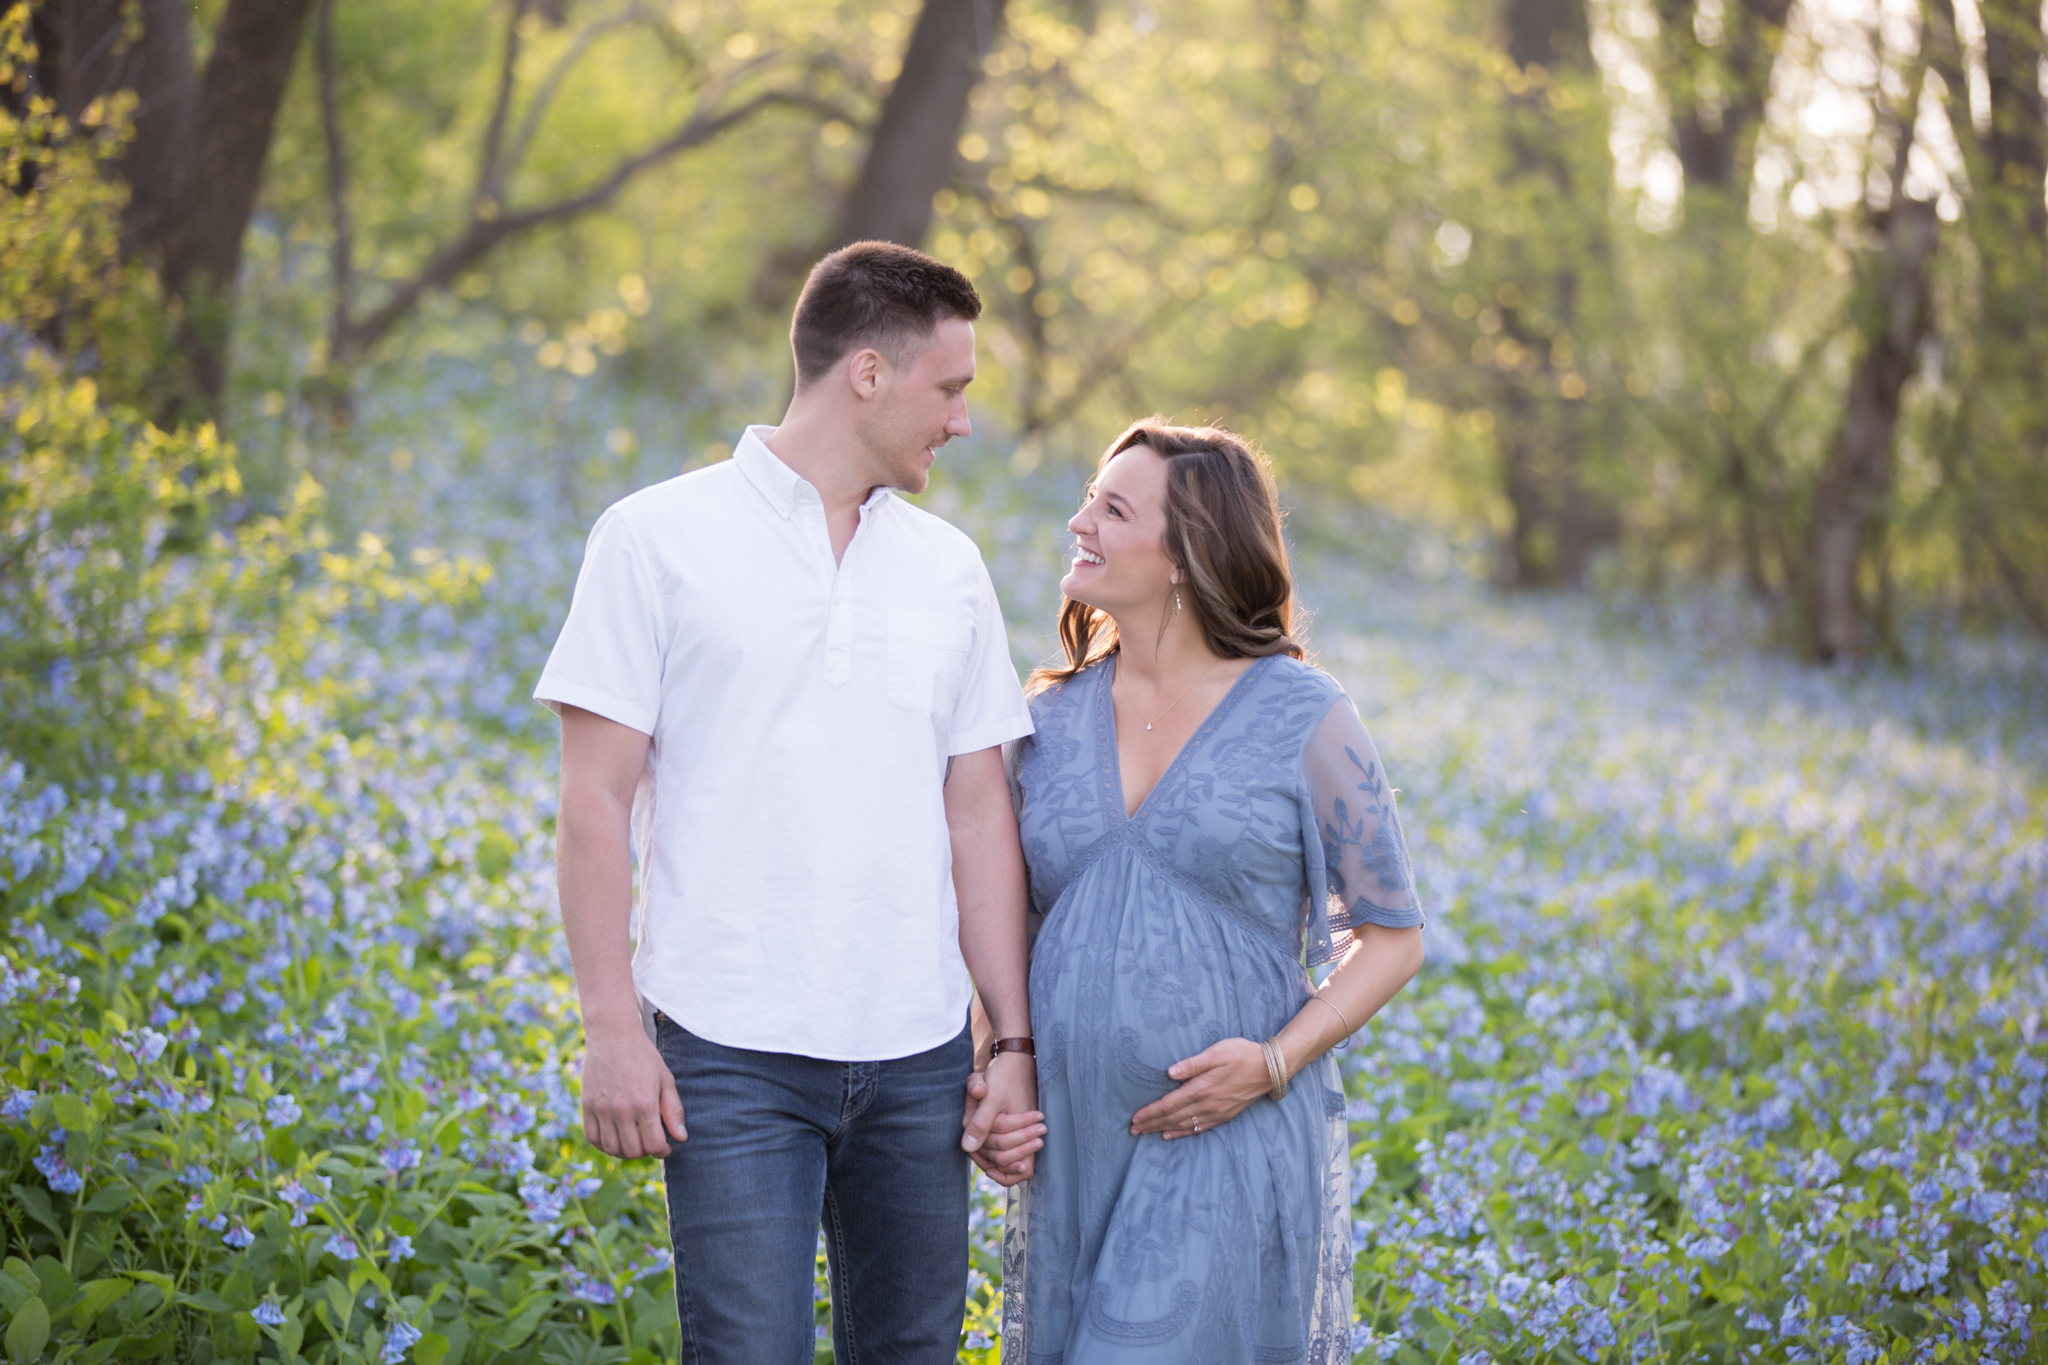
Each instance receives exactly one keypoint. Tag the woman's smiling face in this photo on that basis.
(1120, 563)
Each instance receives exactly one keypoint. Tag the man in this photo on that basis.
(787, 689)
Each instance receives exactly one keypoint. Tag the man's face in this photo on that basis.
(920, 405)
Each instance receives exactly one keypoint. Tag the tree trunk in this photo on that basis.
(914, 150)
(2000, 450)
(85, 47)
(2017, 144)
(233, 118)
(1557, 521)
(1716, 73)
(1858, 476)
(1717, 88)
(200, 142)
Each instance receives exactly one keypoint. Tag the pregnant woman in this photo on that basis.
(1202, 814)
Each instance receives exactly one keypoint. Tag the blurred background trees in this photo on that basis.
(1629, 293)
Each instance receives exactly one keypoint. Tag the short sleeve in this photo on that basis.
(1365, 874)
(991, 708)
(608, 658)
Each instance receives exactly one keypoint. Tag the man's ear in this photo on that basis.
(864, 371)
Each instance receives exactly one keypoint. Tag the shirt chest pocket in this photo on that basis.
(927, 658)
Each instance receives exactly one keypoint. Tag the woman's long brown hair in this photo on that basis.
(1222, 533)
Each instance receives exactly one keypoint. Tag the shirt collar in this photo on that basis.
(777, 481)
(781, 485)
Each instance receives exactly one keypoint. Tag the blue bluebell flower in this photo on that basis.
(399, 1338)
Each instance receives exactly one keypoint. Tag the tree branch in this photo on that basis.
(551, 85)
(488, 180)
(482, 235)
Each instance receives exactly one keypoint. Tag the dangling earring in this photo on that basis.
(1176, 601)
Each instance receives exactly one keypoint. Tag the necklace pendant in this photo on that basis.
(1148, 725)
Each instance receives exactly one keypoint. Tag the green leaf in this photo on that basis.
(56, 1285)
(38, 1205)
(448, 1133)
(282, 1147)
(71, 1111)
(18, 1270)
(29, 1332)
(111, 1199)
(164, 1283)
(341, 1299)
(99, 1351)
(430, 1349)
(100, 1295)
(138, 1347)
(519, 1326)
(457, 1329)
(481, 1277)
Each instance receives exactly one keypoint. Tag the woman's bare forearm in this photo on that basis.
(1378, 964)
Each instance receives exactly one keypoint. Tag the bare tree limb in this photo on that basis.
(487, 178)
(2033, 609)
(484, 234)
(342, 253)
(551, 85)
(1110, 362)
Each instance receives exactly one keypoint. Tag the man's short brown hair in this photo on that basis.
(874, 294)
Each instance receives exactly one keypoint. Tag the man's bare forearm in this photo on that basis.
(595, 871)
(601, 763)
(988, 882)
(992, 936)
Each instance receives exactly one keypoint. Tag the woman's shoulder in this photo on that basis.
(1301, 680)
(1061, 697)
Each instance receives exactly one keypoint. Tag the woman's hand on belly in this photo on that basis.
(1217, 1084)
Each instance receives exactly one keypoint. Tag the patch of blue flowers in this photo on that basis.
(1730, 1046)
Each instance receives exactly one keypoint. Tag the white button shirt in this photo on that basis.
(796, 890)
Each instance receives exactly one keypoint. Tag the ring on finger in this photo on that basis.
(1194, 1124)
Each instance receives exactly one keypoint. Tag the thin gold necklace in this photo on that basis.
(1177, 700)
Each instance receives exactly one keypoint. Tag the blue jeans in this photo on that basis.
(778, 1144)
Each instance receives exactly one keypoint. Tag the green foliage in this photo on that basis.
(221, 1206)
(62, 281)
(129, 618)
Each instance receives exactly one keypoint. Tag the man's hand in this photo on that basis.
(629, 1095)
(1003, 1126)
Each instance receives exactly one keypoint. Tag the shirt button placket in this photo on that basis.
(839, 625)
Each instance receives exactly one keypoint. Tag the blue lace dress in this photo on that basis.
(1269, 838)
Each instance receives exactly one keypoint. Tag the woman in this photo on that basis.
(1201, 813)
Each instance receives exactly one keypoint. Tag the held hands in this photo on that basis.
(1217, 1084)
(1003, 1126)
(629, 1095)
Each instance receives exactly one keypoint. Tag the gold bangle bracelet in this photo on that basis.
(1276, 1068)
(1348, 1029)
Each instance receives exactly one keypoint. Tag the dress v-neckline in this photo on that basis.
(1115, 758)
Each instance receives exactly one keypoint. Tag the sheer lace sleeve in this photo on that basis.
(1362, 875)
